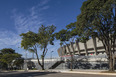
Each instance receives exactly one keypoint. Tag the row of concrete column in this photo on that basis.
(63, 50)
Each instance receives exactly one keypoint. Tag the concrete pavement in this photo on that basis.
(48, 74)
(93, 72)
(89, 72)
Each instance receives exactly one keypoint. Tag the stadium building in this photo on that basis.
(89, 55)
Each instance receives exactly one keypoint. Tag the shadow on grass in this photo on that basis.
(24, 74)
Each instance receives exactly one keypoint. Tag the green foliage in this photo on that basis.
(7, 56)
(29, 39)
(18, 62)
(63, 35)
(96, 18)
(31, 50)
(32, 41)
(73, 30)
(46, 35)
(7, 51)
(61, 43)
(42, 38)
(71, 26)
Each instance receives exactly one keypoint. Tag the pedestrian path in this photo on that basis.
(97, 72)
(92, 72)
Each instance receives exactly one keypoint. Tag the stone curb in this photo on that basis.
(93, 73)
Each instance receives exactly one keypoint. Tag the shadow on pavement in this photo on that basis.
(24, 74)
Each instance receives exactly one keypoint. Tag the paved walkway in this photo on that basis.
(94, 72)
(100, 72)
(48, 74)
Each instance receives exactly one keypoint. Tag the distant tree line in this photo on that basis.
(10, 60)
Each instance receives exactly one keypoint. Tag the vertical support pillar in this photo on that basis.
(94, 45)
(114, 58)
(61, 51)
(67, 50)
(78, 47)
(85, 45)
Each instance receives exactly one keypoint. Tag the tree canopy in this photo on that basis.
(32, 41)
(7, 56)
(7, 51)
(98, 19)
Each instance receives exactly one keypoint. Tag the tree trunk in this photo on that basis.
(43, 55)
(111, 68)
(38, 60)
(43, 62)
(108, 49)
(71, 65)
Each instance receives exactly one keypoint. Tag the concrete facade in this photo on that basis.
(91, 47)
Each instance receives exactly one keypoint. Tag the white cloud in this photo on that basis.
(8, 38)
(43, 2)
(32, 20)
(23, 22)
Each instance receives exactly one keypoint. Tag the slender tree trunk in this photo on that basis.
(108, 49)
(111, 64)
(110, 58)
(71, 66)
(38, 59)
(43, 55)
(43, 62)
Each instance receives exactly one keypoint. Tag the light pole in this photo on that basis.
(26, 69)
(51, 59)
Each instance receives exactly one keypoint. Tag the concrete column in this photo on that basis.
(61, 50)
(114, 60)
(85, 45)
(78, 47)
(64, 49)
(94, 45)
(114, 57)
(67, 50)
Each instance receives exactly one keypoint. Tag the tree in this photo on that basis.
(32, 41)
(46, 37)
(7, 51)
(65, 36)
(7, 56)
(18, 62)
(70, 35)
(98, 19)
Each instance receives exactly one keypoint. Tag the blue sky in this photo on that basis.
(20, 16)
